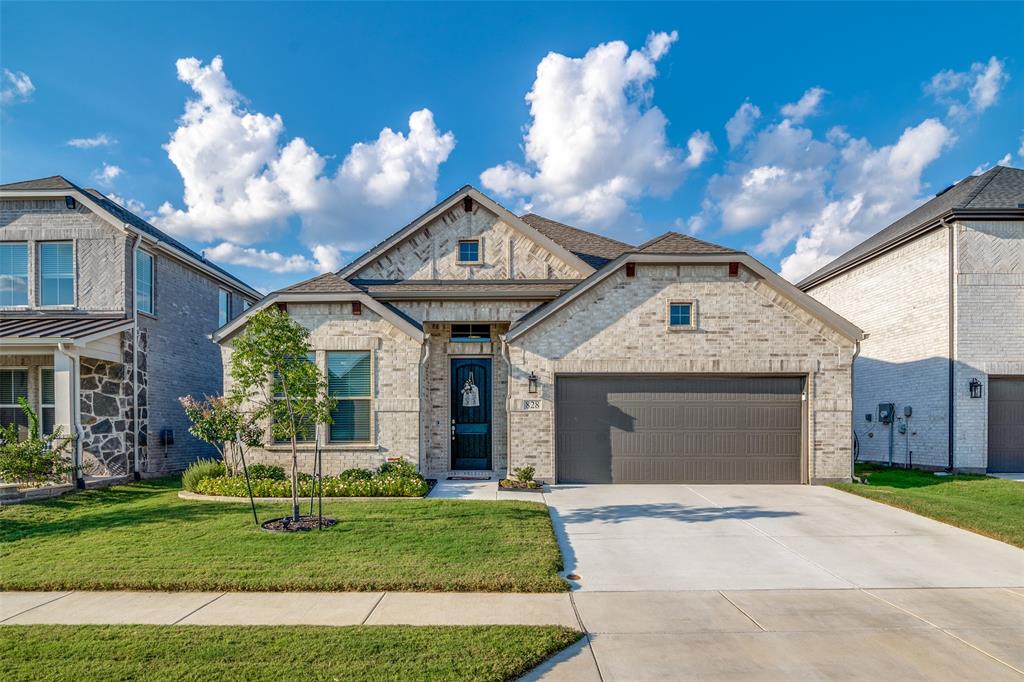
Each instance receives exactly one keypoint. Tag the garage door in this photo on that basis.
(673, 429)
(1006, 424)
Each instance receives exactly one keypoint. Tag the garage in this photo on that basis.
(1006, 424)
(678, 429)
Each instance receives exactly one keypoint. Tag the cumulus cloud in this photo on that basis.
(595, 142)
(969, 92)
(1020, 152)
(233, 254)
(1005, 161)
(107, 173)
(100, 140)
(133, 205)
(806, 106)
(17, 87)
(742, 122)
(244, 180)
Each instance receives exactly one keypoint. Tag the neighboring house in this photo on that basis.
(473, 341)
(940, 294)
(74, 269)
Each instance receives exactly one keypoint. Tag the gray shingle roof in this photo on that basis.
(58, 182)
(593, 249)
(327, 283)
(998, 189)
(680, 244)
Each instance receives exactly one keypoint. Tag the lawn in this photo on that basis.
(989, 506)
(142, 536)
(154, 652)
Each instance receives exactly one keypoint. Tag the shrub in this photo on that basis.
(355, 475)
(267, 471)
(35, 459)
(198, 471)
(399, 467)
(386, 485)
(524, 474)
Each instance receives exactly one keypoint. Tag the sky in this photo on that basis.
(282, 140)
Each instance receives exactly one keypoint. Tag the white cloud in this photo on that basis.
(1005, 161)
(742, 122)
(243, 182)
(233, 254)
(17, 87)
(806, 106)
(1020, 152)
(100, 140)
(969, 92)
(107, 173)
(595, 142)
(328, 258)
(133, 205)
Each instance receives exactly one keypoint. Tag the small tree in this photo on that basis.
(273, 379)
(221, 422)
(36, 459)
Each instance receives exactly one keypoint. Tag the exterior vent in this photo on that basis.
(357, 307)
(467, 204)
(734, 269)
(939, 194)
(630, 269)
(283, 307)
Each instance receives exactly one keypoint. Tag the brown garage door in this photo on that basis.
(1006, 424)
(678, 429)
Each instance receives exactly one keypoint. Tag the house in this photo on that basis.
(940, 294)
(474, 341)
(104, 324)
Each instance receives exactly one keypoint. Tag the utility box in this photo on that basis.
(886, 412)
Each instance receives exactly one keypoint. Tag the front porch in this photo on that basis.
(80, 375)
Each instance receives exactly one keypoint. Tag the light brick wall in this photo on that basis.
(431, 253)
(743, 327)
(901, 300)
(396, 387)
(989, 326)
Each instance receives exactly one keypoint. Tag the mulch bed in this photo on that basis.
(286, 525)
(508, 484)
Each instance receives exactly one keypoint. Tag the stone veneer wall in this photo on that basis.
(108, 423)
(744, 326)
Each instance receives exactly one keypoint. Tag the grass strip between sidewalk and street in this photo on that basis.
(141, 536)
(982, 504)
(200, 652)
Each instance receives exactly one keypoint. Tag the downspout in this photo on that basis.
(508, 406)
(135, 355)
(76, 416)
(423, 370)
(950, 317)
(853, 406)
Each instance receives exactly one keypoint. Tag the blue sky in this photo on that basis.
(854, 114)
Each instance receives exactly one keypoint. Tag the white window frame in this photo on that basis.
(372, 427)
(479, 251)
(152, 282)
(28, 390)
(42, 405)
(39, 274)
(28, 277)
(223, 315)
(681, 327)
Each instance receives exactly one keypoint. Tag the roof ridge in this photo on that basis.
(654, 240)
(982, 183)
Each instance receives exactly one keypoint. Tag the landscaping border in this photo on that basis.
(197, 497)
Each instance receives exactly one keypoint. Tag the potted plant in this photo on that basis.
(522, 481)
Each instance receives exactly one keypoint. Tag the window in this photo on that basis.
(466, 333)
(13, 274)
(348, 380)
(680, 315)
(223, 307)
(46, 399)
(56, 273)
(307, 432)
(469, 251)
(144, 281)
(13, 385)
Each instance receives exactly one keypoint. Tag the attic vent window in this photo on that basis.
(468, 333)
(467, 204)
(70, 203)
(630, 269)
(469, 251)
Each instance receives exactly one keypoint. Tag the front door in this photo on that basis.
(471, 413)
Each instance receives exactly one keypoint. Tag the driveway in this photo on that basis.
(751, 537)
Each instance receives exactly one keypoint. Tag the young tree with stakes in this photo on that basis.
(273, 378)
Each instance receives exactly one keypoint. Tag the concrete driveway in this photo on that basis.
(751, 537)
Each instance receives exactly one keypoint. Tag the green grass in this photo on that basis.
(142, 536)
(989, 506)
(200, 652)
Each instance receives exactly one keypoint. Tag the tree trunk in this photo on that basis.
(295, 478)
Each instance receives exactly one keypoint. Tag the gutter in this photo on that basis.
(508, 405)
(135, 355)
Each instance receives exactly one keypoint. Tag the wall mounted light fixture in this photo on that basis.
(975, 387)
(532, 379)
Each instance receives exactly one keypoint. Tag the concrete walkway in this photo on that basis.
(850, 634)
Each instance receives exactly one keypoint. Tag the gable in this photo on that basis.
(431, 252)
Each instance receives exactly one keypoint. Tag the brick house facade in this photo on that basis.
(74, 357)
(472, 310)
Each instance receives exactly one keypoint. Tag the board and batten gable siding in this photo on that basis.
(396, 368)
(99, 249)
(901, 301)
(989, 335)
(431, 252)
(743, 326)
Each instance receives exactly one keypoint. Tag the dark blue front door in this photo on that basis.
(471, 413)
